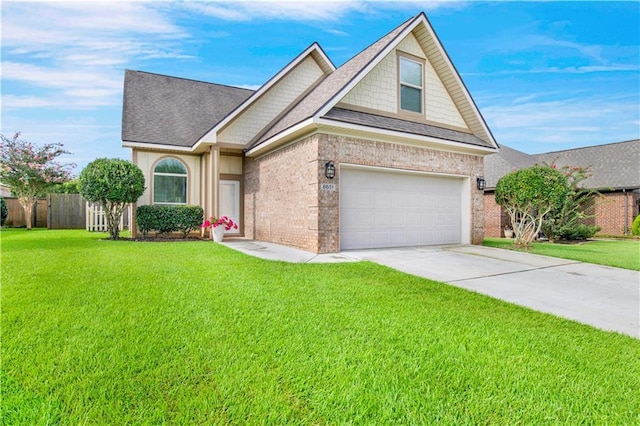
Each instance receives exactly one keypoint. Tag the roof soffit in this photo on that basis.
(450, 78)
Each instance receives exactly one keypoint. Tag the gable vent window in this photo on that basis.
(170, 182)
(410, 85)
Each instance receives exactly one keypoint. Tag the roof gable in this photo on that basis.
(280, 92)
(325, 92)
(163, 110)
(337, 85)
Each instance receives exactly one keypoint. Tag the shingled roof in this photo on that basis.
(404, 126)
(167, 111)
(332, 84)
(613, 165)
(158, 109)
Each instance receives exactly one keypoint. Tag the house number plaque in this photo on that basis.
(328, 186)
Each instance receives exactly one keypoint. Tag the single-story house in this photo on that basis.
(384, 151)
(615, 173)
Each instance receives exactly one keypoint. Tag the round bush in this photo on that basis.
(635, 228)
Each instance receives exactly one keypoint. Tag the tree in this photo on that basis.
(69, 187)
(113, 183)
(30, 171)
(528, 195)
(565, 221)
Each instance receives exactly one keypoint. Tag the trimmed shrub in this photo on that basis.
(635, 227)
(4, 211)
(577, 232)
(114, 183)
(528, 195)
(165, 219)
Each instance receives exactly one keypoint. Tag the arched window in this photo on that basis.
(170, 182)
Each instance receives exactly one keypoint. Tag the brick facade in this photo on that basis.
(281, 196)
(284, 203)
(495, 220)
(609, 214)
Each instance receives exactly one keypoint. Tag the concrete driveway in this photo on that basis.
(604, 297)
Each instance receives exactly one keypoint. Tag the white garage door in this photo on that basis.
(391, 209)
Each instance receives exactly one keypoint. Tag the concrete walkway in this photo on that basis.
(604, 297)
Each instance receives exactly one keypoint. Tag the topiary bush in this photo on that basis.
(164, 219)
(114, 183)
(635, 227)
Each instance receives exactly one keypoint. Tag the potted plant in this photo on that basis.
(508, 232)
(218, 226)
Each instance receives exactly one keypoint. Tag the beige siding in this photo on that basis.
(439, 107)
(378, 90)
(147, 160)
(410, 45)
(456, 91)
(264, 110)
(230, 165)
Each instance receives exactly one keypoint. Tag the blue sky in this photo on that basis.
(546, 75)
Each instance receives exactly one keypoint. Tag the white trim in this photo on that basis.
(403, 138)
(398, 170)
(211, 135)
(156, 146)
(460, 83)
(280, 138)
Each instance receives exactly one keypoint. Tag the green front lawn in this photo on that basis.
(619, 253)
(107, 332)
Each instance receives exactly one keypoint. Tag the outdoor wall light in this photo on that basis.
(329, 170)
(481, 183)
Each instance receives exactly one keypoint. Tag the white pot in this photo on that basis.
(217, 233)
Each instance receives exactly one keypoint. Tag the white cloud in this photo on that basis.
(311, 10)
(286, 10)
(73, 54)
(539, 123)
(56, 77)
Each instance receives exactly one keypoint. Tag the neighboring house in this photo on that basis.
(615, 169)
(383, 151)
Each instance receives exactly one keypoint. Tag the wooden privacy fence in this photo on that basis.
(16, 217)
(66, 211)
(63, 211)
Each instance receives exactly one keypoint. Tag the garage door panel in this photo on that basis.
(358, 220)
(387, 209)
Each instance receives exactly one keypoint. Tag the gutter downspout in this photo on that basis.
(626, 212)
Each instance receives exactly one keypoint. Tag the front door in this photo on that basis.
(230, 202)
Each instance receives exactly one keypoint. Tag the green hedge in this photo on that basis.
(635, 228)
(164, 219)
